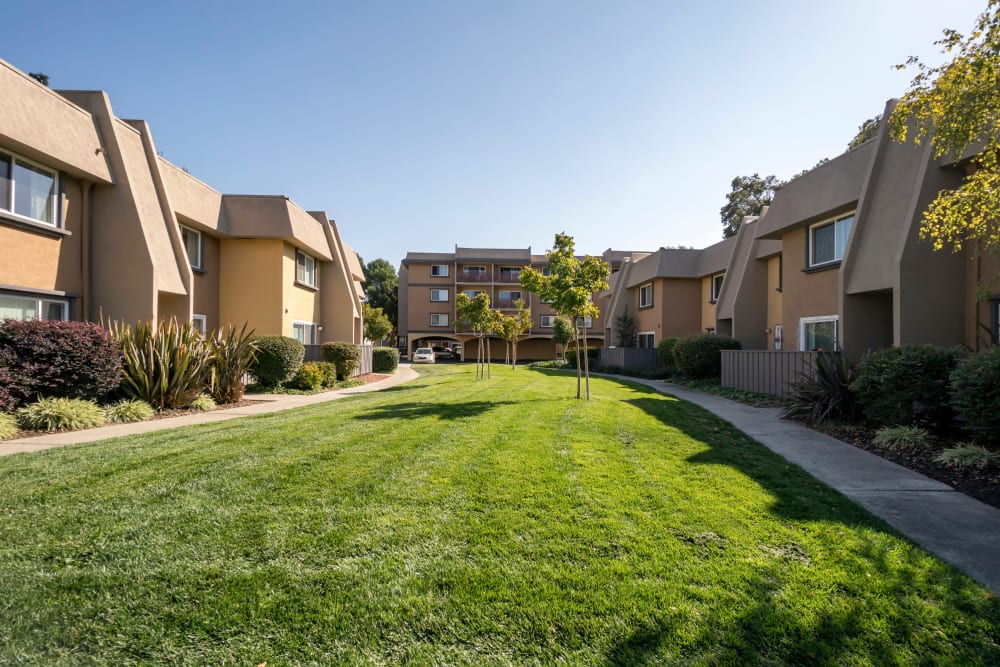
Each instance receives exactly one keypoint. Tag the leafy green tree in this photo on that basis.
(512, 327)
(382, 288)
(625, 329)
(867, 130)
(956, 107)
(570, 286)
(749, 196)
(477, 314)
(377, 324)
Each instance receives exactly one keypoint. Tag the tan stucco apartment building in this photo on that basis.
(95, 225)
(429, 283)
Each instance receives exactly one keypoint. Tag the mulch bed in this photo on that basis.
(983, 485)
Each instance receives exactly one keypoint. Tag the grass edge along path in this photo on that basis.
(448, 521)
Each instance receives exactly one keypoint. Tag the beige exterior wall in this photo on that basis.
(675, 311)
(774, 301)
(206, 282)
(421, 273)
(251, 285)
(298, 303)
(707, 307)
(804, 294)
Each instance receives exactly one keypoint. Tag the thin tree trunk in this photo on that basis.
(489, 360)
(586, 358)
(577, 341)
(513, 361)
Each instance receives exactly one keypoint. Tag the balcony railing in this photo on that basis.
(464, 277)
(505, 303)
(508, 277)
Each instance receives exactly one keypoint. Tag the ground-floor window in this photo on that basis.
(646, 340)
(200, 324)
(304, 332)
(818, 333)
(18, 307)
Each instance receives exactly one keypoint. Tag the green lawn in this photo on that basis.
(448, 521)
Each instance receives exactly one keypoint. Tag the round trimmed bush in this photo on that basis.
(701, 356)
(309, 378)
(385, 359)
(665, 352)
(593, 353)
(345, 356)
(57, 359)
(60, 414)
(975, 392)
(8, 426)
(124, 412)
(900, 386)
(278, 359)
(329, 372)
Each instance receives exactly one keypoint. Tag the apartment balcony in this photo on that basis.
(508, 277)
(505, 303)
(463, 277)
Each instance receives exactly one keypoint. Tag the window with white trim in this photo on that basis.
(510, 273)
(304, 332)
(439, 319)
(29, 190)
(439, 270)
(474, 270)
(17, 307)
(439, 295)
(818, 333)
(305, 269)
(200, 324)
(509, 295)
(646, 295)
(717, 281)
(646, 340)
(779, 337)
(193, 246)
(585, 322)
(547, 321)
(828, 240)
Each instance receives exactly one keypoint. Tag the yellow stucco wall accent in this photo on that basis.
(251, 284)
(302, 303)
(707, 307)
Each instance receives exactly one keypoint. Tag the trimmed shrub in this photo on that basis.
(234, 355)
(167, 365)
(385, 359)
(309, 378)
(202, 403)
(345, 356)
(60, 414)
(278, 359)
(975, 392)
(665, 352)
(124, 412)
(701, 356)
(892, 437)
(906, 385)
(8, 426)
(962, 456)
(594, 353)
(825, 396)
(56, 359)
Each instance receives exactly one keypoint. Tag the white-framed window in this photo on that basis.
(471, 293)
(509, 295)
(828, 240)
(200, 324)
(646, 295)
(474, 270)
(305, 269)
(304, 332)
(510, 273)
(717, 286)
(439, 270)
(585, 322)
(818, 333)
(439, 295)
(439, 319)
(29, 190)
(18, 307)
(193, 246)
(646, 340)
(547, 321)
(779, 337)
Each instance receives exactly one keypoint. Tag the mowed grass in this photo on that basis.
(449, 521)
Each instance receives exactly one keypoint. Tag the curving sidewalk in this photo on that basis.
(269, 403)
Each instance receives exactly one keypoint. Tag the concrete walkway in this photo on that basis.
(955, 527)
(269, 403)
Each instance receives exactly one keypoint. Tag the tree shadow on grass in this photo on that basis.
(439, 409)
(900, 606)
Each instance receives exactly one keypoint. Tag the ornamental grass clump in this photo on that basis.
(166, 366)
(824, 395)
(233, 355)
(60, 414)
(128, 411)
(893, 437)
(8, 426)
(968, 455)
(202, 403)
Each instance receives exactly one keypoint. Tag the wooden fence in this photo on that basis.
(629, 357)
(766, 371)
(315, 353)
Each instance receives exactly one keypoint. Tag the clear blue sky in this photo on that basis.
(421, 125)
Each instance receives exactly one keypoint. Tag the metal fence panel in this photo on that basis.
(629, 357)
(766, 371)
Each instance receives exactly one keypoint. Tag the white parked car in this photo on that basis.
(422, 355)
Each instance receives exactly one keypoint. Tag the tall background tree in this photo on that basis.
(625, 329)
(749, 196)
(956, 106)
(512, 327)
(382, 288)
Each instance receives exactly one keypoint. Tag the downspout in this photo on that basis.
(85, 253)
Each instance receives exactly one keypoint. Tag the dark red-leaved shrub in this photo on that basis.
(56, 359)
